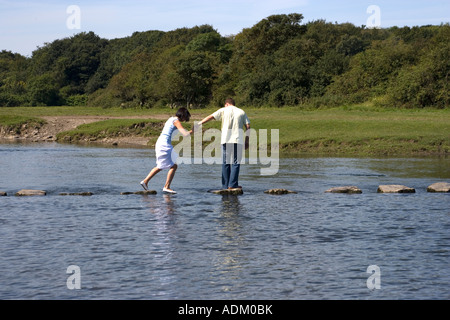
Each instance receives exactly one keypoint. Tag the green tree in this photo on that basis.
(425, 83)
(331, 64)
(119, 52)
(44, 90)
(72, 62)
(371, 70)
(13, 79)
(179, 70)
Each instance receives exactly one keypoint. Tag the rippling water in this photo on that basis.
(196, 245)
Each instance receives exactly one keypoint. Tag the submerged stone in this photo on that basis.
(394, 188)
(346, 189)
(26, 192)
(279, 191)
(236, 191)
(83, 194)
(439, 187)
(3, 194)
(143, 193)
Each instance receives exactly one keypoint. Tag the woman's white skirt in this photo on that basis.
(166, 157)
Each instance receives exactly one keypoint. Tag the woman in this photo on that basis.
(165, 155)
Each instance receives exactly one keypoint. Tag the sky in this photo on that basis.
(26, 25)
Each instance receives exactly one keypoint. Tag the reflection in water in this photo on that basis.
(162, 244)
(231, 206)
(229, 259)
(412, 167)
(160, 207)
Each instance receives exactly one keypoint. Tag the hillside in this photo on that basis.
(280, 61)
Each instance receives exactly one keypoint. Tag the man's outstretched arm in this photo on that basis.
(207, 119)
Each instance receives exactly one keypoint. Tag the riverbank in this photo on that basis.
(356, 131)
(75, 129)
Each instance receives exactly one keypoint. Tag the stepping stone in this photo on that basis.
(439, 187)
(237, 191)
(395, 189)
(83, 194)
(25, 192)
(279, 191)
(3, 194)
(142, 193)
(347, 189)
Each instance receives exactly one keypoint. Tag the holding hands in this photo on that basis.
(196, 127)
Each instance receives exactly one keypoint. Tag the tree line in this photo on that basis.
(280, 61)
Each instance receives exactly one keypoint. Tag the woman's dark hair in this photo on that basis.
(183, 114)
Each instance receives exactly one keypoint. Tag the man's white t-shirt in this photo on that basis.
(233, 122)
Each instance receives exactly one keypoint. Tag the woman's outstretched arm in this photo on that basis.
(181, 129)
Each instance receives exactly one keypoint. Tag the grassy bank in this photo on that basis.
(357, 130)
(360, 132)
(16, 124)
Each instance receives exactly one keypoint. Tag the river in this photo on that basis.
(198, 245)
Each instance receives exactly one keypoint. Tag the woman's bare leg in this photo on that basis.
(151, 175)
(170, 176)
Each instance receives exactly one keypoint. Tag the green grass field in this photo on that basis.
(360, 132)
(357, 130)
(82, 111)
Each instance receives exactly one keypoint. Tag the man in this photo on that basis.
(233, 122)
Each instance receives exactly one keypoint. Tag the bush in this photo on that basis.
(77, 100)
(44, 90)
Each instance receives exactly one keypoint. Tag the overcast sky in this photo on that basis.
(27, 24)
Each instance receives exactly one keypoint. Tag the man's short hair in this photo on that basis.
(230, 101)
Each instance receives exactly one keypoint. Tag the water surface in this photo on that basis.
(197, 245)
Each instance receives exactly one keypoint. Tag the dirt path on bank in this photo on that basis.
(58, 124)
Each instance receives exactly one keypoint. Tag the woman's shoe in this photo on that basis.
(169, 191)
(144, 185)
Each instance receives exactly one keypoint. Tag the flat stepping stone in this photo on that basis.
(3, 194)
(237, 191)
(279, 191)
(142, 193)
(26, 192)
(83, 194)
(394, 188)
(439, 187)
(346, 189)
